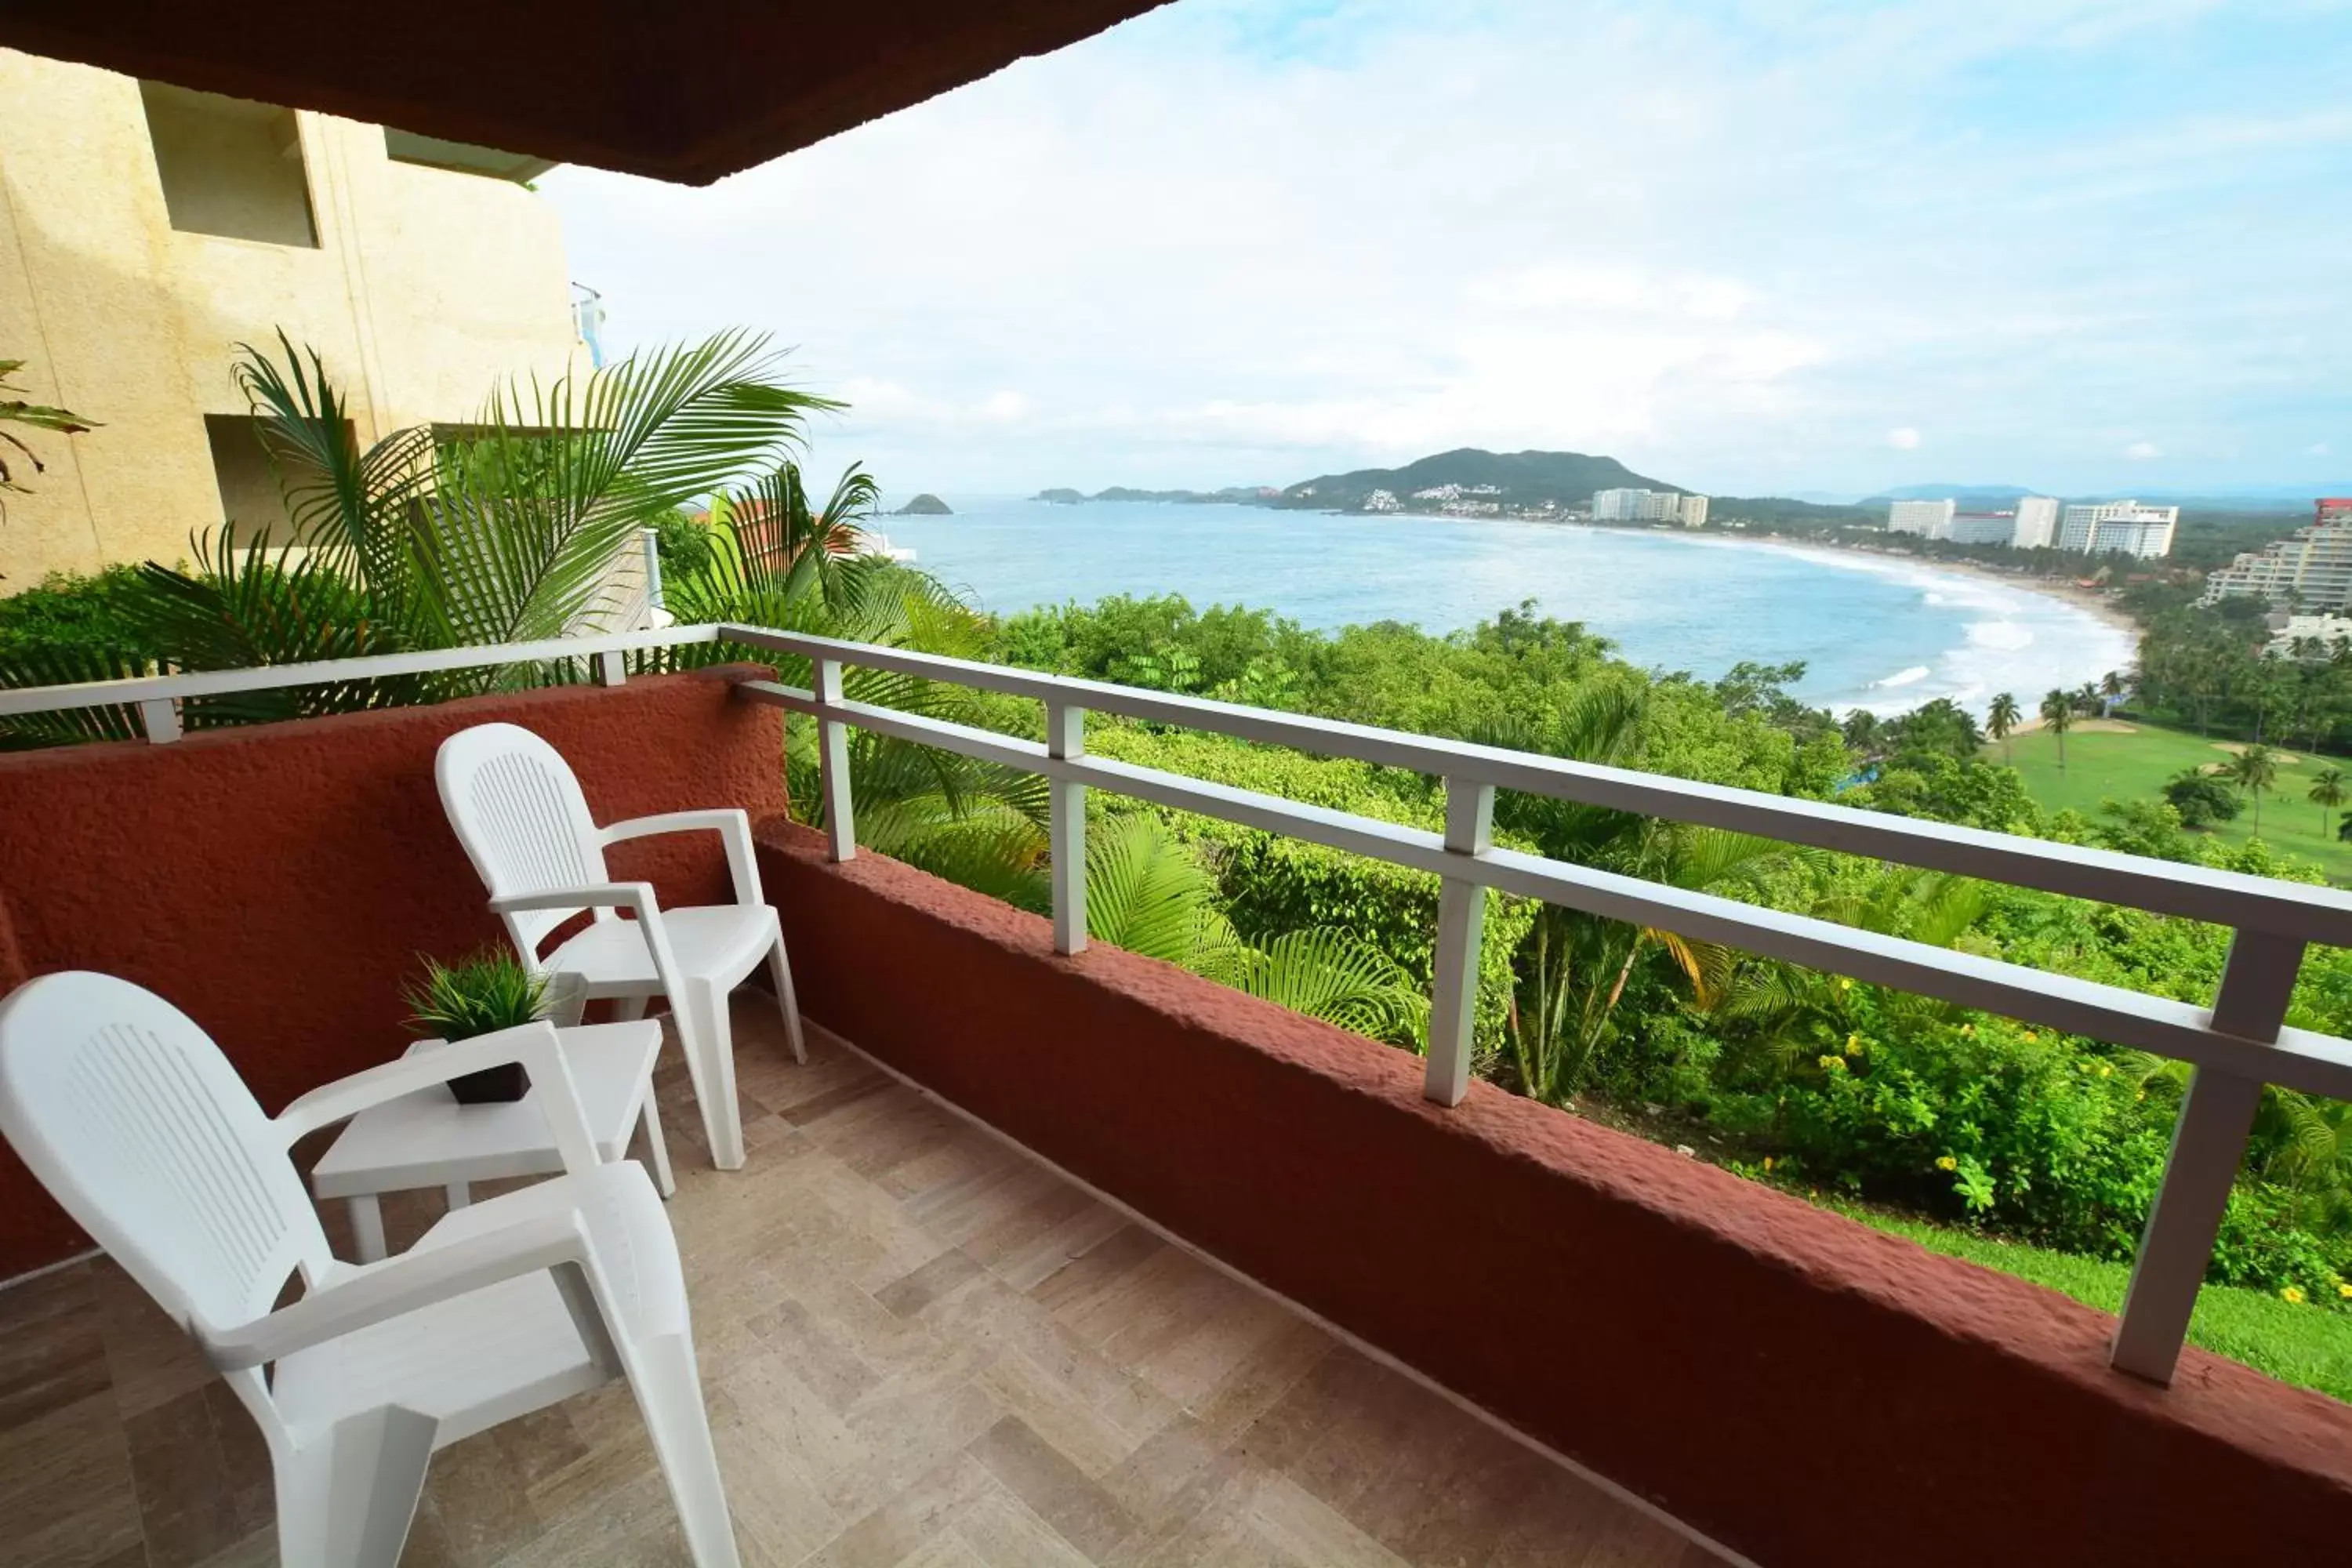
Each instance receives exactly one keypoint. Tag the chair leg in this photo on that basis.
(348, 1495)
(669, 1396)
(780, 968)
(713, 1041)
(626, 1009)
(657, 1148)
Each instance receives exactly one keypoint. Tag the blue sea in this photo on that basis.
(1874, 632)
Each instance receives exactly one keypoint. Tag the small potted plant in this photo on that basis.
(479, 994)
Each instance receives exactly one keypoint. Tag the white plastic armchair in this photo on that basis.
(134, 1120)
(519, 810)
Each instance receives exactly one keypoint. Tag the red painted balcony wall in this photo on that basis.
(278, 882)
(1798, 1386)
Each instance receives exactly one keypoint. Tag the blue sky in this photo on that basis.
(1746, 246)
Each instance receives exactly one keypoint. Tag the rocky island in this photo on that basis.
(925, 505)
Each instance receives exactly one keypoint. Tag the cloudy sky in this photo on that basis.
(1746, 246)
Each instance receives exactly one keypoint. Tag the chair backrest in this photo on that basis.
(519, 811)
(136, 1123)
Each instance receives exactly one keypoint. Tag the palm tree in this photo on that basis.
(2255, 769)
(1573, 968)
(2328, 793)
(2058, 713)
(2086, 699)
(1147, 892)
(501, 532)
(2000, 721)
(2112, 687)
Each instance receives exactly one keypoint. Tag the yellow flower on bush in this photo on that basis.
(1967, 1028)
(2345, 1291)
(1767, 1165)
(2030, 1037)
(1853, 1044)
(2106, 1071)
(1832, 1063)
(2293, 1295)
(1946, 1163)
(1845, 983)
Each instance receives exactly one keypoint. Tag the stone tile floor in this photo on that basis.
(920, 1350)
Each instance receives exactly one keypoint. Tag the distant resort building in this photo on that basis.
(2307, 637)
(2119, 528)
(1982, 528)
(2314, 567)
(1649, 506)
(1382, 500)
(1927, 518)
(2036, 527)
(2029, 527)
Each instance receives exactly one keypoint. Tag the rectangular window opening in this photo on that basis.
(229, 167)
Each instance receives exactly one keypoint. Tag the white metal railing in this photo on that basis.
(158, 696)
(2236, 1046)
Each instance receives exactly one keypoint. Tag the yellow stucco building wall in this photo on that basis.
(424, 289)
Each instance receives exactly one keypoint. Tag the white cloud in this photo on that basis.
(1247, 241)
(2141, 451)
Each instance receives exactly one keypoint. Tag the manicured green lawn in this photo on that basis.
(2134, 766)
(2307, 1344)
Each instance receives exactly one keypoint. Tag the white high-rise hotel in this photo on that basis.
(2313, 568)
(1649, 506)
(2119, 527)
(2095, 528)
(1927, 518)
(2037, 522)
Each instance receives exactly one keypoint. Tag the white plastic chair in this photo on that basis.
(520, 812)
(133, 1119)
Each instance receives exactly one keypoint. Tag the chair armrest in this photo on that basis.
(419, 1278)
(636, 897)
(535, 1046)
(733, 827)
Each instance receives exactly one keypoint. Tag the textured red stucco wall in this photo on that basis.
(278, 882)
(1799, 1387)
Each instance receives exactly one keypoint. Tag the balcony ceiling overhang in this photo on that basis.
(689, 93)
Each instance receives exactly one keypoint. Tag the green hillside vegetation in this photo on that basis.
(1520, 479)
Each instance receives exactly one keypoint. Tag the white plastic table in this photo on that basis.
(428, 1139)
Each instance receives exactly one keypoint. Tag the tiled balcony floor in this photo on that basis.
(919, 1349)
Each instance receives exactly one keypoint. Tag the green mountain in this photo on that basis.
(1518, 479)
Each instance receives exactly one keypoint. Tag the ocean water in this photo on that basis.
(1874, 632)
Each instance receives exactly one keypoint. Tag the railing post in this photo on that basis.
(1461, 920)
(161, 718)
(2208, 1145)
(1066, 736)
(833, 764)
(611, 668)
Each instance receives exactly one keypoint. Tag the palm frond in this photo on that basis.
(1145, 889)
(68, 664)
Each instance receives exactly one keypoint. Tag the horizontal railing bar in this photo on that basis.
(2163, 887)
(373, 667)
(2315, 1063)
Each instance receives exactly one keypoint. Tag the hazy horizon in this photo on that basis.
(1747, 249)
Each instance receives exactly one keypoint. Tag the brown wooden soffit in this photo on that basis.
(689, 91)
